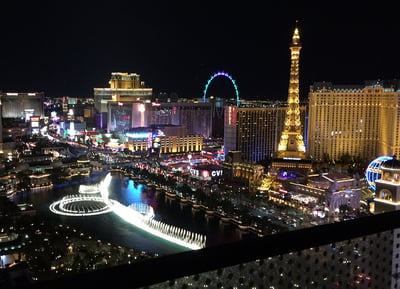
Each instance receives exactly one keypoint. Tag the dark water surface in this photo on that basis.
(110, 228)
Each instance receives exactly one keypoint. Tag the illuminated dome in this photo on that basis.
(373, 171)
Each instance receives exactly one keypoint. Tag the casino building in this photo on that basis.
(163, 139)
(330, 190)
(128, 104)
(124, 88)
(255, 130)
(359, 120)
(196, 117)
(248, 173)
(22, 104)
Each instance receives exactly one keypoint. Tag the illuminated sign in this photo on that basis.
(138, 135)
(156, 142)
(283, 191)
(194, 172)
(205, 173)
(141, 108)
(292, 159)
(217, 173)
(35, 121)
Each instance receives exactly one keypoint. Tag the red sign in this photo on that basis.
(35, 121)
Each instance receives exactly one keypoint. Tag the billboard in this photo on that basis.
(35, 121)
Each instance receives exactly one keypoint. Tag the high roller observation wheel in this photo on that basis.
(224, 74)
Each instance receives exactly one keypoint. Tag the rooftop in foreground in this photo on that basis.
(354, 241)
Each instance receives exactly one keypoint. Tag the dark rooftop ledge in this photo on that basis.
(164, 268)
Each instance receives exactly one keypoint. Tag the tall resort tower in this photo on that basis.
(291, 144)
(291, 149)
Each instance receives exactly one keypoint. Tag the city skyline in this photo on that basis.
(68, 49)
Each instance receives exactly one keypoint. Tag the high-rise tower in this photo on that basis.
(291, 144)
(361, 120)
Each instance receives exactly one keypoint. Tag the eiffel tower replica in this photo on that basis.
(291, 150)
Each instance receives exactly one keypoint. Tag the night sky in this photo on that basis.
(66, 48)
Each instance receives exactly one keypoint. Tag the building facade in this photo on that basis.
(251, 174)
(124, 87)
(167, 144)
(337, 190)
(359, 120)
(255, 131)
(196, 117)
(163, 139)
(22, 105)
(127, 104)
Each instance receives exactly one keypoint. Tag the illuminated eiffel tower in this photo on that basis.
(291, 144)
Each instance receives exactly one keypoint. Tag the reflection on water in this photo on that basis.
(110, 228)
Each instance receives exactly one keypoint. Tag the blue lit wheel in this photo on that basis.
(224, 74)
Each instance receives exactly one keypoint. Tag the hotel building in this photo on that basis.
(359, 120)
(255, 131)
(248, 173)
(327, 190)
(22, 105)
(19, 106)
(196, 117)
(164, 139)
(124, 87)
(128, 104)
